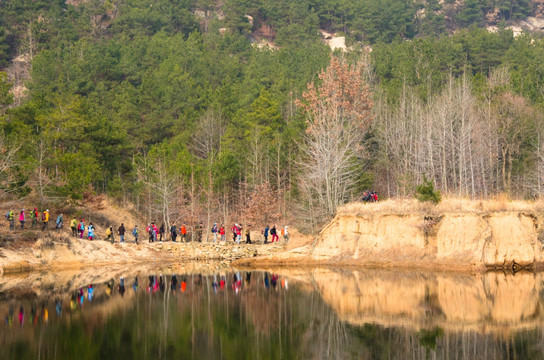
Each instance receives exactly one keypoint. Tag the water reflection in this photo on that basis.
(293, 314)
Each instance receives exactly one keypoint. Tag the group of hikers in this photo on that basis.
(34, 217)
(218, 232)
(370, 196)
(79, 228)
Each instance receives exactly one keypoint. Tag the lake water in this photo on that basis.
(221, 313)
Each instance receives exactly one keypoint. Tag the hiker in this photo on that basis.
(154, 231)
(109, 234)
(90, 231)
(22, 219)
(73, 226)
(238, 233)
(374, 196)
(366, 196)
(161, 232)
(286, 234)
(34, 216)
(199, 229)
(183, 232)
(81, 228)
(149, 230)
(222, 232)
(234, 229)
(121, 232)
(135, 232)
(248, 234)
(10, 215)
(274, 233)
(266, 230)
(45, 219)
(173, 232)
(59, 222)
(214, 232)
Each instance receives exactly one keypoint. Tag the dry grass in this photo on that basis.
(499, 203)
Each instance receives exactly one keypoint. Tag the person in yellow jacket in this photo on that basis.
(45, 219)
(73, 226)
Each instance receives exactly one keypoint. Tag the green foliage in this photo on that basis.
(427, 338)
(425, 192)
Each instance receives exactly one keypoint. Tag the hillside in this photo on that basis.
(216, 111)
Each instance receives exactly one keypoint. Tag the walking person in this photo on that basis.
(265, 233)
(286, 233)
(59, 222)
(238, 233)
(135, 232)
(149, 230)
(34, 217)
(73, 226)
(214, 232)
(45, 219)
(121, 232)
(173, 232)
(248, 234)
(81, 228)
(90, 231)
(161, 232)
(10, 217)
(274, 233)
(222, 232)
(22, 218)
(154, 231)
(183, 233)
(199, 230)
(109, 234)
(234, 229)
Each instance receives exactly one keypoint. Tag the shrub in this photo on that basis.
(426, 192)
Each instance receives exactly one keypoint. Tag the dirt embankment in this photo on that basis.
(456, 235)
(29, 249)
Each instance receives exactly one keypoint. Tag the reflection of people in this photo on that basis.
(248, 278)
(9, 316)
(73, 301)
(266, 281)
(135, 285)
(122, 286)
(109, 287)
(214, 283)
(161, 283)
(183, 285)
(274, 281)
(58, 306)
(21, 315)
(90, 292)
(173, 283)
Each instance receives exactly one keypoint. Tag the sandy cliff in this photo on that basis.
(471, 236)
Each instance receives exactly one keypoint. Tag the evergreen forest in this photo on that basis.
(204, 110)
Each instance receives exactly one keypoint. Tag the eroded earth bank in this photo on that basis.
(456, 235)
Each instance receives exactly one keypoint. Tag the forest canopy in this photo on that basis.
(172, 106)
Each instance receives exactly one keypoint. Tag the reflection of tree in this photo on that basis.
(256, 323)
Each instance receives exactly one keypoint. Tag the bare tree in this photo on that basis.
(8, 162)
(207, 144)
(338, 114)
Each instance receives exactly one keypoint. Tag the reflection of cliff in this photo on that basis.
(492, 302)
(462, 240)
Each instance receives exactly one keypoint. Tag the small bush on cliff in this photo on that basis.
(426, 192)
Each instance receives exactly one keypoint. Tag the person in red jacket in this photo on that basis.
(183, 233)
(222, 232)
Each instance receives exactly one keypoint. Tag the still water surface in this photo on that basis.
(283, 314)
